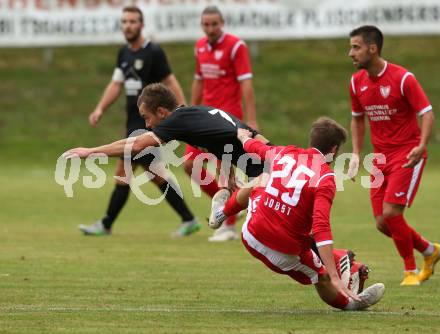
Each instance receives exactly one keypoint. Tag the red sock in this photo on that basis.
(339, 302)
(232, 207)
(231, 220)
(403, 239)
(420, 243)
(211, 188)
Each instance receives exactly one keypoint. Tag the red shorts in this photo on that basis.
(303, 268)
(191, 149)
(399, 186)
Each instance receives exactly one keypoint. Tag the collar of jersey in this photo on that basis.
(219, 41)
(318, 151)
(381, 72)
(180, 107)
(146, 42)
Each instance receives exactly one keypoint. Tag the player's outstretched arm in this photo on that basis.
(110, 95)
(243, 134)
(117, 148)
(326, 254)
(257, 145)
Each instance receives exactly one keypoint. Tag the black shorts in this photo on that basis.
(254, 170)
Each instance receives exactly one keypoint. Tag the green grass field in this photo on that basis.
(140, 280)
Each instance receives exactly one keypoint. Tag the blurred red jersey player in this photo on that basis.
(392, 99)
(293, 201)
(223, 78)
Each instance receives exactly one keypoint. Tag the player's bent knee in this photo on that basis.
(157, 180)
(380, 224)
(121, 179)
(323, 281)
(391, 210)
(325, 289)
(188, 166)
(120, 175)
(122, 183)
(381, 228)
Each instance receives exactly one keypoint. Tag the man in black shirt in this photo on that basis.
(139, 63)
(206, 127)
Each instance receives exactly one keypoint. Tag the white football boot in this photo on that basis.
(96, 229)
(224, 233)
(369, 297)
(217, 217)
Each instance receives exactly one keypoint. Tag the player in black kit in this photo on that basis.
(206, 127)
(139, 63)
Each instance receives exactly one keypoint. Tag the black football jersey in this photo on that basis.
(147, 65)
(207, 128)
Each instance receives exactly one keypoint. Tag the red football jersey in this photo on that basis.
(392, 101)
(294, 201)
(221, 67)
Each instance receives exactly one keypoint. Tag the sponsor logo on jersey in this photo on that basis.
(124, 64)
(385, 91)
(399, 194)
(138, 64)
(218, 54)
(254, 203)
(132, 87)
(364, 88)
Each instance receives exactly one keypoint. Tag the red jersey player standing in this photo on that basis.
(223, 76)
(292, 201)
(392, 99)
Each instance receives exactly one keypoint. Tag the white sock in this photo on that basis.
(428, 251)
(415, 271)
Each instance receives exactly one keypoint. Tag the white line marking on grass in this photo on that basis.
(31, 308)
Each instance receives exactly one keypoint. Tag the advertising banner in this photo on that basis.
(77, 22)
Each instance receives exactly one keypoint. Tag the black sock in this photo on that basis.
(176, 202)
(117, 202)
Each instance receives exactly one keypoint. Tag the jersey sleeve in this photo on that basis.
(161, 68)
(414, 94)
(264, 151)
(198, 71)
(241, 61)
(118, 73)
(356, 108)
(170, 128)
(324, 195)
